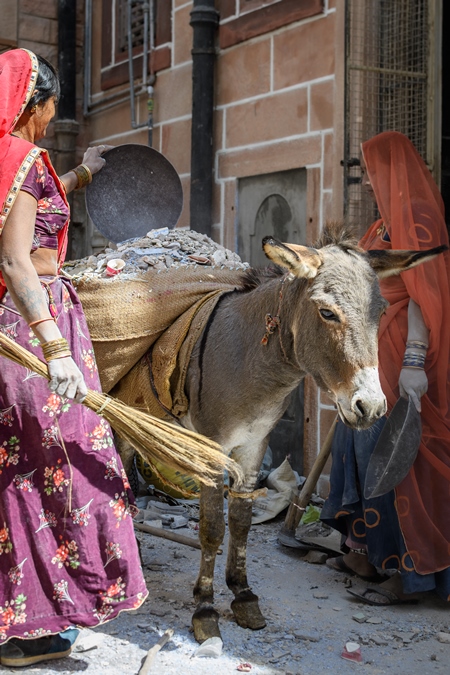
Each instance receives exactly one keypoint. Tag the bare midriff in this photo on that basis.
(45, 261)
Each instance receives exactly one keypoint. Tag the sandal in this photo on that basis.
(17, 653)
(392, 598)
(338, 565)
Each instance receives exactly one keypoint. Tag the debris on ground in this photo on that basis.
(211, 648)
(159, 250)
(352, 652)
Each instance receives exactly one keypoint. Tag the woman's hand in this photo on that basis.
(93, 157)
(66, 379)
(413, 382)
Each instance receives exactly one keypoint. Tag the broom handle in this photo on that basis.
(165, 534)
(151, 654)
(300, 501)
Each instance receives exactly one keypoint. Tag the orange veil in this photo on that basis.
(18, 74)
(412, 215)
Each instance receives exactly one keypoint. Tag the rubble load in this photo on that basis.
(160, 250)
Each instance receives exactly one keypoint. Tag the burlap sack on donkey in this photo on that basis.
(165, 311)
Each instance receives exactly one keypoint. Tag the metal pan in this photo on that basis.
(395, 451)
(137, 190)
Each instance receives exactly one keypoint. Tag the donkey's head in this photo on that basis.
(334, 314)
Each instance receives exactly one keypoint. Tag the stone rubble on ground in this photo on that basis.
(159, 250)
(444, 638)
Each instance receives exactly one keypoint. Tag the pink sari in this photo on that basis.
(68, 553)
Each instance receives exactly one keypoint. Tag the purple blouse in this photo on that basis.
(52, 212)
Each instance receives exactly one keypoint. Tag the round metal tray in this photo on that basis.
(137, 190)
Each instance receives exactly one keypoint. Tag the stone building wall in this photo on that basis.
(279, 92)
(278, 106)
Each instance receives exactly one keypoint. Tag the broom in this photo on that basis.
(154, 439)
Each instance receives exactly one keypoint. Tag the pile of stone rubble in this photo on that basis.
(159, 250)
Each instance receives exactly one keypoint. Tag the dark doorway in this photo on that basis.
(275, 204)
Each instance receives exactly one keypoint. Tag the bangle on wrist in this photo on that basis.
(84, 176)
(411, 360)
(56, 349)
(417, 344)
(35, 323)
(62, 355)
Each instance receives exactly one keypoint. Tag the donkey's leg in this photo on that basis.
(205, 620)
(245, 605)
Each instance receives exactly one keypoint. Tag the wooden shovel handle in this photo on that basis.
(300, 501)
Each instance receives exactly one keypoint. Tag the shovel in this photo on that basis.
(395, 451)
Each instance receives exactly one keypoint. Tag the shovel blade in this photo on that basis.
(395, 451)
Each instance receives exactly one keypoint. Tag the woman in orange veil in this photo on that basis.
(408, 531)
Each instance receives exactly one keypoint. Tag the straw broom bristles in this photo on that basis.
(154, 439)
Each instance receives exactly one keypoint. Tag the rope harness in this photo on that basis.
(274, 322)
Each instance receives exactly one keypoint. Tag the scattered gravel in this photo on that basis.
(304, 635)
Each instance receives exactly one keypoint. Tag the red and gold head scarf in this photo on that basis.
(18, 75)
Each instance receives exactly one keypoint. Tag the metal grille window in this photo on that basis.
(387, 80)
(137, 24)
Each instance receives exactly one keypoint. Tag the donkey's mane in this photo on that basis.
(255, 276)
(338, 233)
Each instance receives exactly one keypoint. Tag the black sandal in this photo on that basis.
(390, 595)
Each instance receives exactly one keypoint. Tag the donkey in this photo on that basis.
(316, 313)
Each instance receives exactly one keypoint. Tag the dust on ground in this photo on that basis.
(309, 620)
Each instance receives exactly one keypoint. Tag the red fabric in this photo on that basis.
(18, 72)
(412, 213)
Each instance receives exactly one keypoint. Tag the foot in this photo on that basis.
(360, 564)
(17, 653)
(246, 611)
(394, 587)
(354, 563)
(205, 622)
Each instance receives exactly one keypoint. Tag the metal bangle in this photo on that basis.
(60, 355)
(417, 344)
(83, 174)
(35, 323)
(88, 171)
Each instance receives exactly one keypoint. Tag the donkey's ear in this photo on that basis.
(387, 263)
(301, 261)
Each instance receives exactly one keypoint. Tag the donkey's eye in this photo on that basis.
(328, 315)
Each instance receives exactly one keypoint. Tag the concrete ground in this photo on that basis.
(310, 617)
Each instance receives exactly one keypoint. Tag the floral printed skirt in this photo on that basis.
(68, 554)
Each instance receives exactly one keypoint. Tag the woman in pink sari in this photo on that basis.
(68, 554)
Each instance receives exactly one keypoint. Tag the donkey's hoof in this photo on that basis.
(205, 622)
(246, 611)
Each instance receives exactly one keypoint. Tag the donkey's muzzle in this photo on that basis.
(367, 402)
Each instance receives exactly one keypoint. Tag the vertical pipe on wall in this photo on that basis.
(204, 21)
(66, 126)
(67, 24)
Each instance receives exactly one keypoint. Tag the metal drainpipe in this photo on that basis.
(204, 21)
(66, 126)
